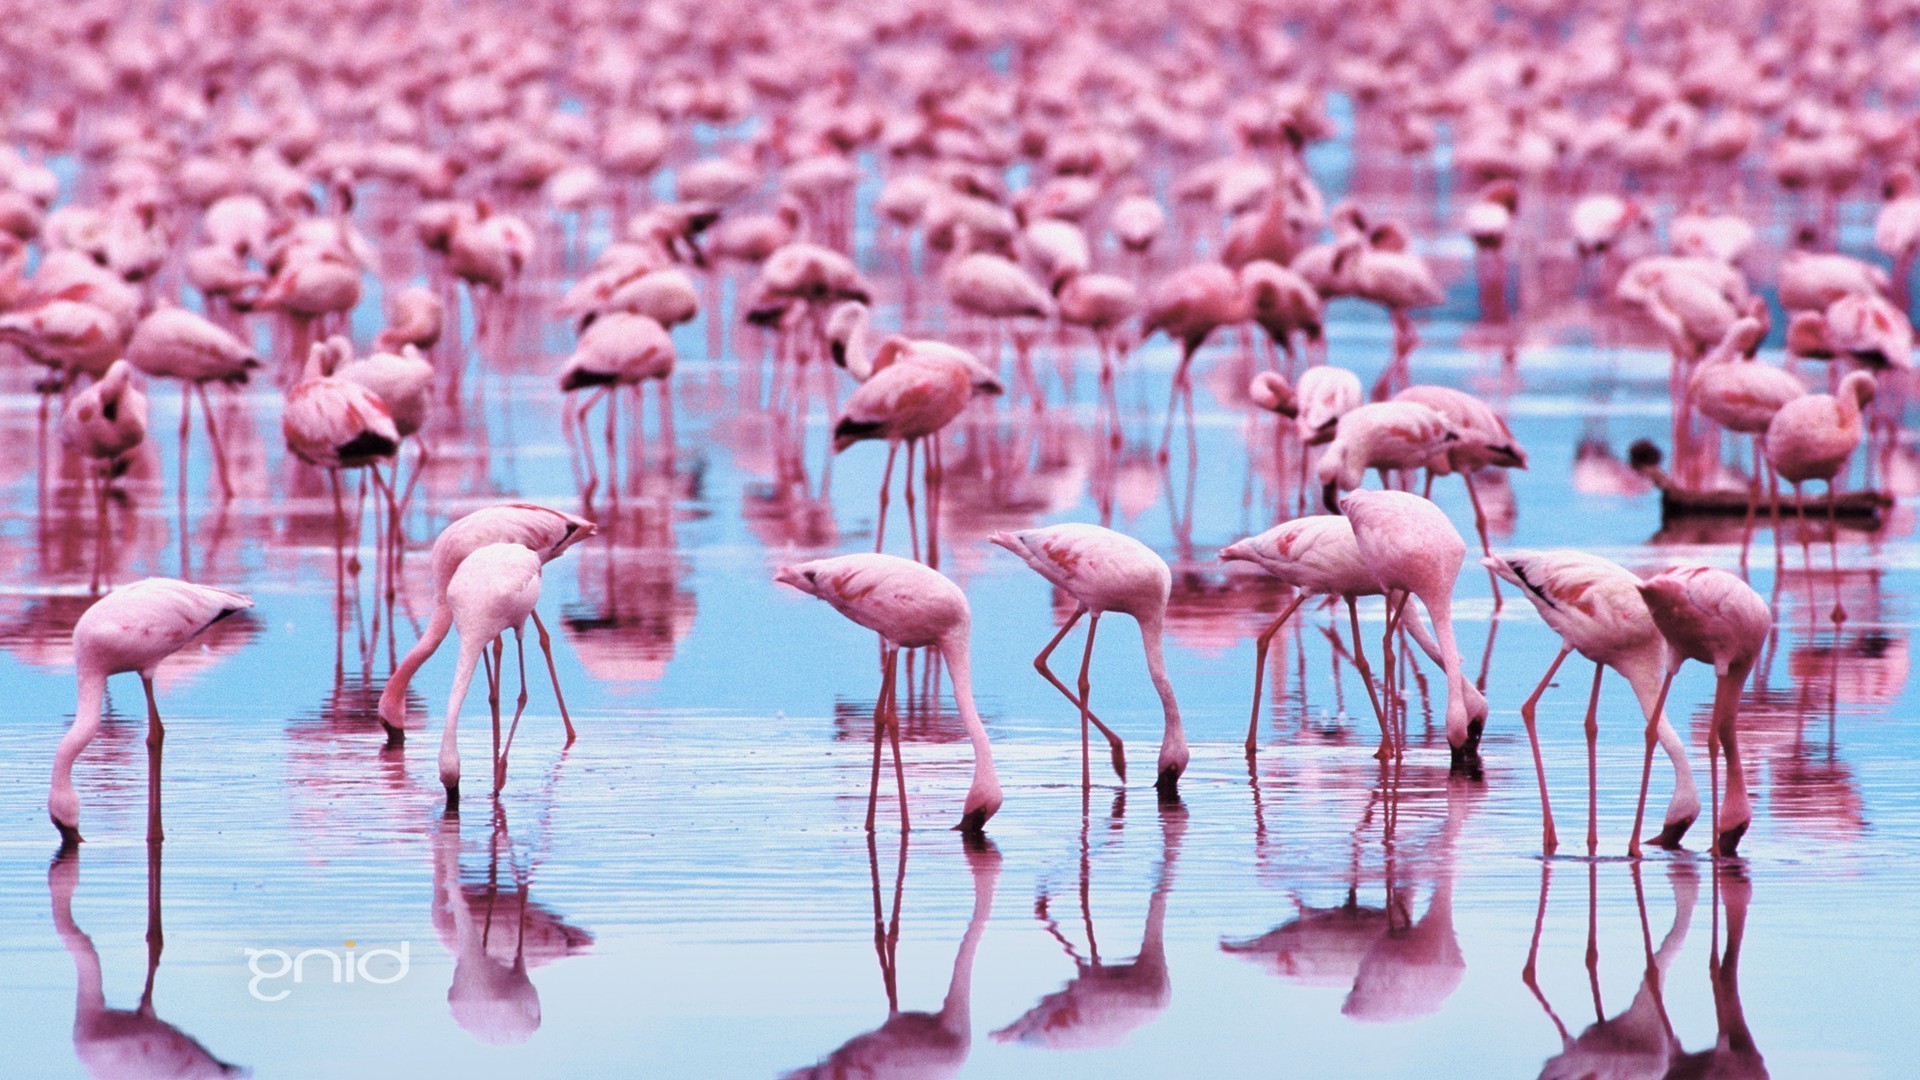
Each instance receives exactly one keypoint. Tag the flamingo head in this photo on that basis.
(1269, 391)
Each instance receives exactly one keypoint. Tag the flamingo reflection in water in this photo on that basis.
(918, 1044)
(495, 934)
(1104, 1002)
(123, 1042)
(1638, 1041)
(1396, 968)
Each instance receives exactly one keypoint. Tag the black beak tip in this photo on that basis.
(1669, 838)
(1465, 762)
(1729, 841)
(70, 838)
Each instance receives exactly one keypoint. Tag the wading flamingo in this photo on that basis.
(1107, 571)
(492, 591)
(1594, 604)
(1811, 438)
(1318, 557)
(910, 606)
(132, 628)
(1413, 549)
(1381, 435)
(174, 343)
(546, 533)
(104, 423)
(904, 403)
(1711, 616)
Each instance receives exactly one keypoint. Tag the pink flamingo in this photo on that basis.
(1488, 221)
(1742, 395)
(1484, 442)
(132, 628)
(104, 423)
(1381, 435)
(1595, 606)
(1283, 304)
(1189, 305)
(1414, 550)
(1896, 229)
(174, 343)
(1318, 556)
(910, 606)
(403, 381)
(546, 533)
(904, 402)
(416, 317)
(1107, 571)
(619, 350)
(1811, 438)
(492, 591)
(1385, 270)
(334, 424)
(1711, 616)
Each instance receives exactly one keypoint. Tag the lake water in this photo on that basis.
(688, 890)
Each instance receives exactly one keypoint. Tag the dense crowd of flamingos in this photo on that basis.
(926, 201)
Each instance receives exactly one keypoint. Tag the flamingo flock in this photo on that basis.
(922, 227)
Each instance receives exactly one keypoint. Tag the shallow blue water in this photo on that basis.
(699, 894)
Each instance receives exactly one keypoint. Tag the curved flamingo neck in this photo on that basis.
(1174, 740)
(63, 802)
(1440, 611)
(953, 650)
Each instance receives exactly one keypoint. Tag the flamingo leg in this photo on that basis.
(1260, 668)
(1593, 764)
(893, 735)
(1726, 705)
(1480, 524)
(519, 706)
(1040, 665)
(1839, 614)
(494, 667)
(1173, 402)
(1646, 768)
(1806, 547)
(1366, 676)
(886, 482)
(879, 729)
(546, 648)
(906, 485)
(213, 436)
(1548, 840)
(156, 738)
(586, 441)
(1086, 698)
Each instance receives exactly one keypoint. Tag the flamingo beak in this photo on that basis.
(1669, 837)
(70, 837)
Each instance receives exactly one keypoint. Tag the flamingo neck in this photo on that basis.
(986, 781)
(1440, 611)
(63, 802)
(450, 740)
(859, 348)
(1173, 745)
(393, 698)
